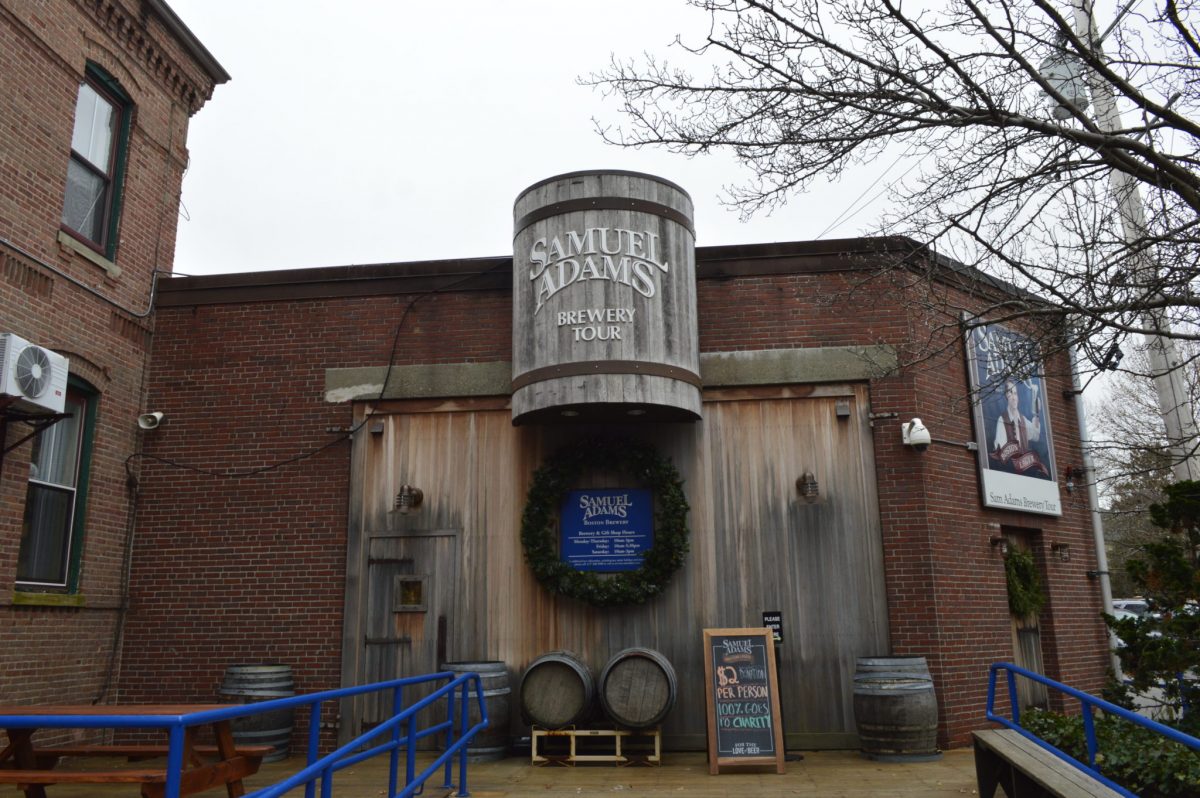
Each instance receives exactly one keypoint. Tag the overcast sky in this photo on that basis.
(365, 131)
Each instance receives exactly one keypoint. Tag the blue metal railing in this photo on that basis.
(1088, 703)
(402, 731)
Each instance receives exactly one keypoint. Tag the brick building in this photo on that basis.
(301, 401)
(95, 100)
(261, 521)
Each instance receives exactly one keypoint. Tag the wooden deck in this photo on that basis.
(829, 774)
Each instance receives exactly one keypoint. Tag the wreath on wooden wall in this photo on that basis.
(561, 473)
(1025, 596)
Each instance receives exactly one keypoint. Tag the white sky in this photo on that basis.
(366, 131)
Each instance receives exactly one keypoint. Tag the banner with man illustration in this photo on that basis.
(1012, 426)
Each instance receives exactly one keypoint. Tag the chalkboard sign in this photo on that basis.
(742, 694)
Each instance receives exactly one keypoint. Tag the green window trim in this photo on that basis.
(100, 79)
(78, 531)
(30, 598)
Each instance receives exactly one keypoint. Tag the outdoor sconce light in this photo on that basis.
(408, 498)
(915, 435)
(1071, 475)
(808, 487)
(1000, 542)
(1063, 550)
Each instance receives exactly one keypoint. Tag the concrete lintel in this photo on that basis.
(718, 370)
(424, 381)
(784, 366)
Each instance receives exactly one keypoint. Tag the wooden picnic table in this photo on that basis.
(31, 767)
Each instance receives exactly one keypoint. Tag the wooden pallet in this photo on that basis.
(596, 745)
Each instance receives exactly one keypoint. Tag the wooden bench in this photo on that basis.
(1005, 758)
(153, 780)
(135, 753)
(196, 776)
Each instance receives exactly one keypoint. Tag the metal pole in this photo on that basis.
(1174, 403)
(1094, 508)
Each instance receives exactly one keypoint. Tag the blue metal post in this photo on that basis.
(175, 737)
(1013, 701)
(450, 737)
(314, 743)
(462, 762)
(1089, 733)
(394, 756)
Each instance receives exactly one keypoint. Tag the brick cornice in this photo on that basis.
(132, 33)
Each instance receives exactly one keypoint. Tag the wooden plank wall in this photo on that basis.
(756, 545)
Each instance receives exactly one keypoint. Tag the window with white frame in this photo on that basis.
(54, 500)
(91, 208)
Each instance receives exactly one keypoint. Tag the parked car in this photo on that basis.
(1138, 606)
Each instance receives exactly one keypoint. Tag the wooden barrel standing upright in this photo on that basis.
(491, 742)
(261, 682)
(604, 300)
(637, 688)
(895, 709)
(557, 690)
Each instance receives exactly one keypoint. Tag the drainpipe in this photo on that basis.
(1101, 571)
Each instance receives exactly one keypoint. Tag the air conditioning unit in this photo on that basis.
(32, 375)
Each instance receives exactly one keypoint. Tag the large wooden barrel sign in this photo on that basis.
(604, 300)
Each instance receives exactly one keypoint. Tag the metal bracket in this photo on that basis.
(40, 424)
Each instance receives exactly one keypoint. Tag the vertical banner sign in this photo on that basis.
(1012, 426)
(606, 530)
(742, 695)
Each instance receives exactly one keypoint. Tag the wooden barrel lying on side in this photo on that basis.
(637, 688)
(557, 690)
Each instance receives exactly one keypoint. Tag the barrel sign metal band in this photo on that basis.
(607, 367)
(603, 204)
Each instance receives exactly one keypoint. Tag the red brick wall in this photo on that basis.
(265, 554)
(54, 297)
(250, 568)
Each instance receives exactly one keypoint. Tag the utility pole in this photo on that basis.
(1174, 403)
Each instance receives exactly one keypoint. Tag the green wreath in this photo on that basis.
(1025, 596)
(561, 473)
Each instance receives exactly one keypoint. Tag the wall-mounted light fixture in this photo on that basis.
(1001, 543)
(408, 498)
(150, 420)
(1072, 476)
(808, 487)
(916, 436)
(1061, 550)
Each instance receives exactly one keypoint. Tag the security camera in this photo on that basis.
(913, 433)
(150, 420)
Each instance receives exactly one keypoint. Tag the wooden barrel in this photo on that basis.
(491, 743)
(895, 709)
(557, 690)
(253, 683)
(604, 300)
(637, 688)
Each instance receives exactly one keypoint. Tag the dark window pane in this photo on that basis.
(83, 210)
(46, 535)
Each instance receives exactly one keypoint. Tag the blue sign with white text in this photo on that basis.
(606, 529)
